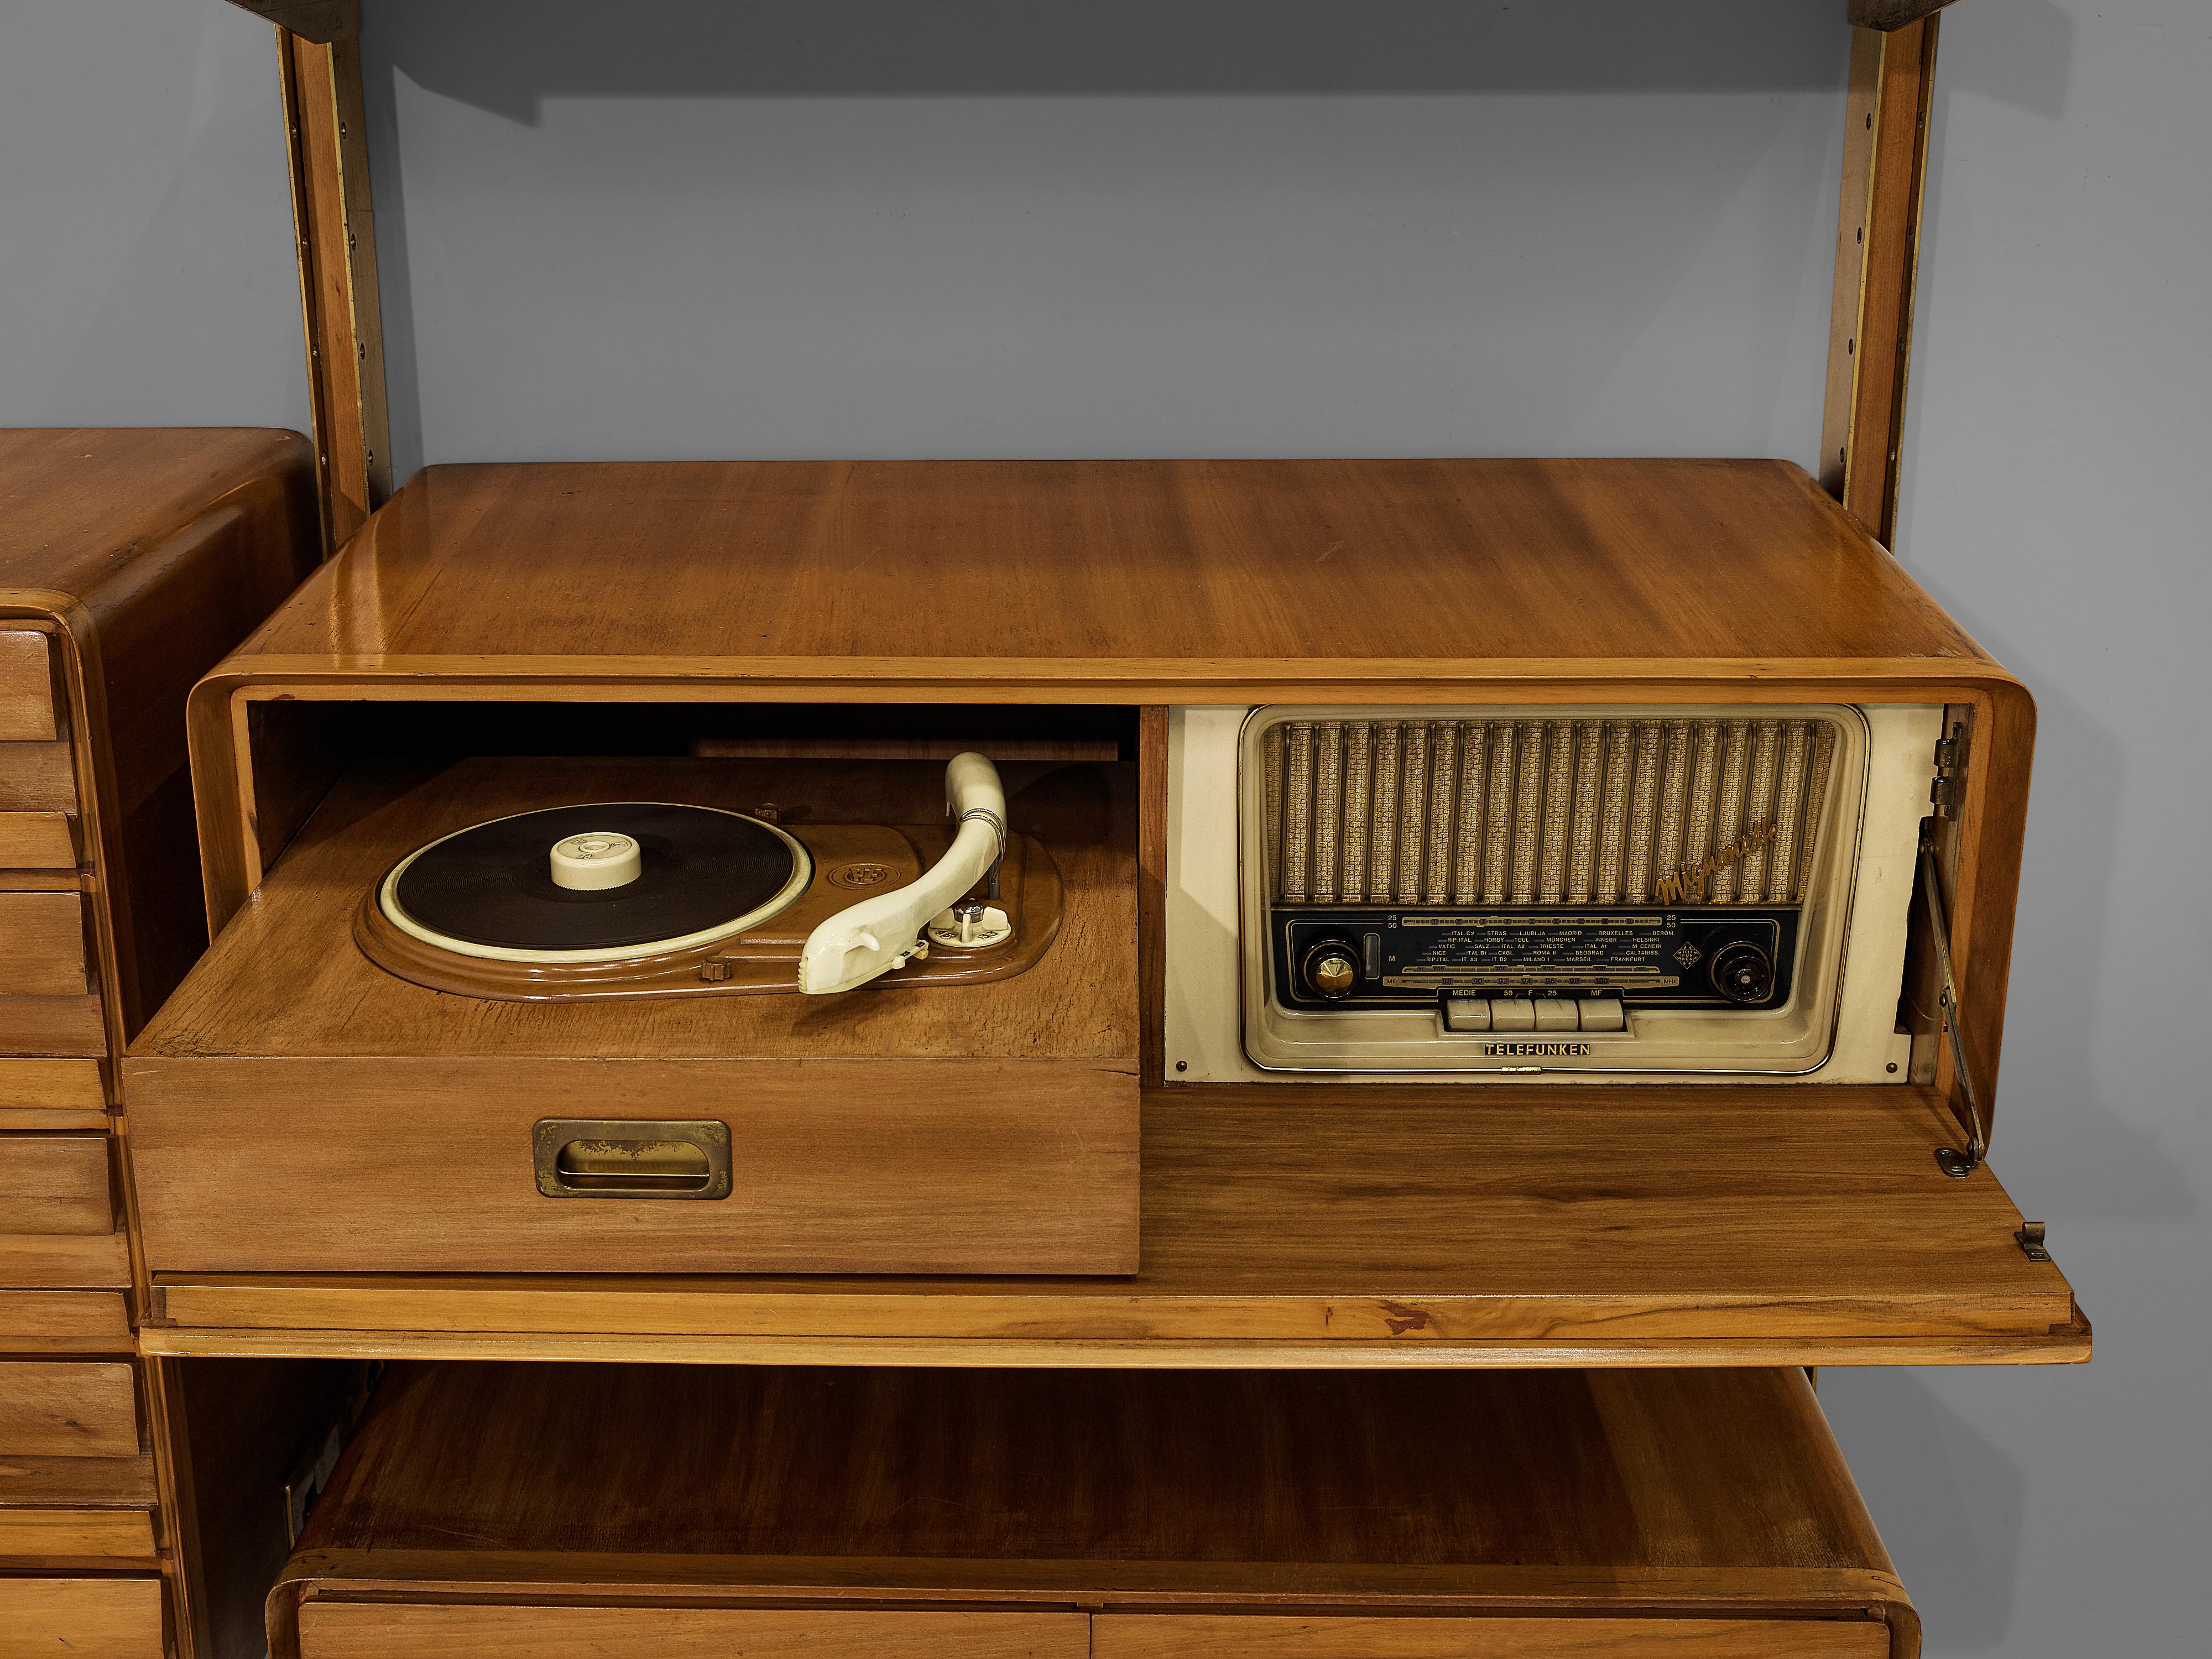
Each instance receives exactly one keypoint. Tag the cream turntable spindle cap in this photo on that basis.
(594, 860)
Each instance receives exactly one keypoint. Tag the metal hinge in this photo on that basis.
(1956, 1161)
(1950, 767)
(2030, 1241)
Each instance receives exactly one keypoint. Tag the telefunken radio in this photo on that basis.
(1487, 891)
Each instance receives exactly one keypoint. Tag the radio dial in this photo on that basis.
(1331, 969)
(1743, 972)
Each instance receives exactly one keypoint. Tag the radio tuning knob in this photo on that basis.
(1331, 969)
(1742, 972)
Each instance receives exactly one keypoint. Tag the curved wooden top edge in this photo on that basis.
(80, 506)
(2065, 1345)
(1483, 1589)
(1111, 679)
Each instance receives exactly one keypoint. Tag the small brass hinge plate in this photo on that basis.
(2030, 1235)
(1943, 794)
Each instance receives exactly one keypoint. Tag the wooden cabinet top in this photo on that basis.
(81, 507)
(1112, 581)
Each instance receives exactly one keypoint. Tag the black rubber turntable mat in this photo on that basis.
(493, 884)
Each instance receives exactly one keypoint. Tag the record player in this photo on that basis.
(758, 1013)
(604, 899)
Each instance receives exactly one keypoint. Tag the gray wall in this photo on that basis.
(798, 228)
(2054, 502)
(145, 222)
(1238, 228)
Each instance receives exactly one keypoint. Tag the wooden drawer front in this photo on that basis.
(51, 1094)
(355, 1629)
(42, 944)
(60, 1291)
(68, 1408)
(53, 1531)
(26, 687)
(81, 1507)
(1144, 1636)
(37, 841)
(37, 777)
(55, 1184)
(79, 1617)
(358, 1165)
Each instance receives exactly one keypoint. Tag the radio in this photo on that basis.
(1481, 890)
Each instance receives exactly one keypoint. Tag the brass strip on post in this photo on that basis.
(335, 238)
(1877, 264)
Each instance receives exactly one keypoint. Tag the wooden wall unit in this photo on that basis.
(129, 561)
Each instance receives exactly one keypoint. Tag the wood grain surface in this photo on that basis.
(37, 777)
(84, 1618)
(1341, 1225)
(1713, 1495)
(43, 954)
(1278, 562)
(109, 1483)
(65, 1321)
(75, 502)
(49, 1261)
(56, 1530)
(37, 840)
(27, 687)
(55, 1184)
(49, 1085)
(67, 1408)
(353, 1630)
(1243, 1635)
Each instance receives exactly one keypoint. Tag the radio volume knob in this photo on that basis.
(1331, 969)
(1742, 972)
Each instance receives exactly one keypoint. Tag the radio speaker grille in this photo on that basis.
(1549, 812)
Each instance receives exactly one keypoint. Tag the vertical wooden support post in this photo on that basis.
(1877, 262)
(336, 231)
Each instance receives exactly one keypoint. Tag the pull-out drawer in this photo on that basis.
(81, 1618)
(355, 1630)
(28, 708)
(42, 950)
(51, 1093)
(83, 1508)
(1268, 1637)
(55, 1184)
(64, 1292)
(68, 1408)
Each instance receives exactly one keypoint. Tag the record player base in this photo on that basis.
(640, 1510)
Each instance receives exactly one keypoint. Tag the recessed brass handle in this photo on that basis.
(632, 1157)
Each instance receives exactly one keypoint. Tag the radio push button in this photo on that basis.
(1466, 1013)
(1556, 1014)
(1602, 1014)
(1512, 1014)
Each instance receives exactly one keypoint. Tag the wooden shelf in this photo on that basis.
(1345, 1225)
(549, 1504)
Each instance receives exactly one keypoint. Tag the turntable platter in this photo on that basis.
(675, 877)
